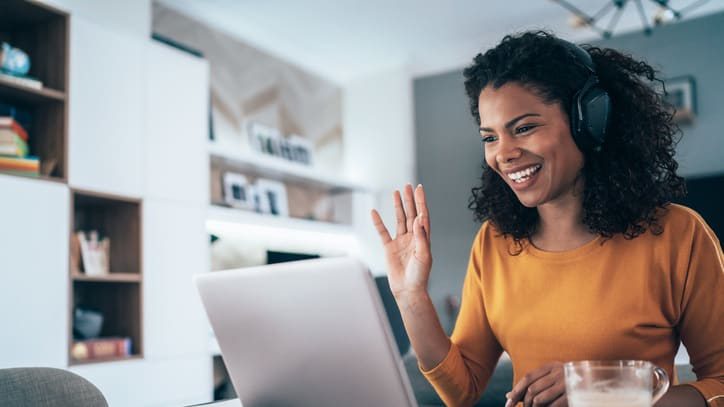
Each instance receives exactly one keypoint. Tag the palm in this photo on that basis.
(408, 254)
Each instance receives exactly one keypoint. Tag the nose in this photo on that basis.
(508, 150)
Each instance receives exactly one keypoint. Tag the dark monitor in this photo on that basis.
(273, 257)
(706, 196)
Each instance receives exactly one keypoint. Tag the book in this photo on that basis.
(101, 348)
(8, 123)
(26, 81)
(22, 116)
(12, 145)
(20, 165)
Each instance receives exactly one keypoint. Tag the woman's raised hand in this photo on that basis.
(408, 255)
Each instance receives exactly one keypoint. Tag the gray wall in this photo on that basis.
(449, 152)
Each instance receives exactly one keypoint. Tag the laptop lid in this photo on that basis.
(310, 332)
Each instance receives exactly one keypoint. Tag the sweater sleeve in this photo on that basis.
(701, 325)
(462, 376)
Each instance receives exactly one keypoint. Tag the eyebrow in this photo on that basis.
(512, 122)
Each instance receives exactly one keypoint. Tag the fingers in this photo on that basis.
(421, 206)
(422, 245)
(553, 393)
(519, 390)
(533, 394)
(380, 226)
(400, 214)
(410, 209)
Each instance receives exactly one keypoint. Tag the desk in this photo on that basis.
(222, 403)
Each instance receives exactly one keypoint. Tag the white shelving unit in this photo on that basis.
(282, 170)
(222, 215)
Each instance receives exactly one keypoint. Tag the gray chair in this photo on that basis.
(47, 387)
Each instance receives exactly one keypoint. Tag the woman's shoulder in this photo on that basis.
(679, 220)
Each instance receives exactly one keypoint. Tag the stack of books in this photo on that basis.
(101, 348)
(14, 150)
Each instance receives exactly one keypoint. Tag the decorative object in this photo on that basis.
(665, 13)
(87, 323)
(13, 60)
(301, 149)
(248, 84)
(270, 141)
(264, 139)
(94, 253)
(236, 191)
(273, 195)
(681, 95)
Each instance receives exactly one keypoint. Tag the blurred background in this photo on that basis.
(143, 142)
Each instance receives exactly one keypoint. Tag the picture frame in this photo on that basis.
(236, 191)
(272, 197)
(301, 149)
(681, 96)
(264, 139)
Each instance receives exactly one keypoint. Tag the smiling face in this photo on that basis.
(529, 144)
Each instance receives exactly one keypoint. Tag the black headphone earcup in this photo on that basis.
(589, 116)
(596, 108)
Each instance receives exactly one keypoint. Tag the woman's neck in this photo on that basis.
(560, 226)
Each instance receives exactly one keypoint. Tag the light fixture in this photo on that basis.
(664, 14)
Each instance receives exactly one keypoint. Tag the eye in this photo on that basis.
(488, 138)
(525, 128)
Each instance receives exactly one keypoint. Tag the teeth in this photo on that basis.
(523, 175)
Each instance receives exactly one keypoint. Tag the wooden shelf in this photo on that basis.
(110, 278)
(74, 362)
(28, 95)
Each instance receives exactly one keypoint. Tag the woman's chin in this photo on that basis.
(529, 201)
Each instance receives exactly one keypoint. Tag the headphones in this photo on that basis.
(591, 105)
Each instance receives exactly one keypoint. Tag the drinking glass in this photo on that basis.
(619, 383)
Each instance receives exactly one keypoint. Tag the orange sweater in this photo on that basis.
(613, 299)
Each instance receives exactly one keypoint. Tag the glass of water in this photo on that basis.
(619, 383)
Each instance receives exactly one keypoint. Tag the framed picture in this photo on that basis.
(273, 197)
(681, 95)
(301, 149)
(236, 191)
(264, 139)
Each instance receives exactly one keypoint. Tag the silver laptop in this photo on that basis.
(305, 333)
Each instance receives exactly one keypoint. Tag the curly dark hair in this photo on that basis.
(634, 173)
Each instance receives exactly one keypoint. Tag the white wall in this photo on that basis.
(379, 149)
(132, 17)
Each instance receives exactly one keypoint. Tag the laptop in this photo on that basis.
(305, 333)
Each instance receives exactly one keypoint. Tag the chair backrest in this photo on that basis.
(47, 387)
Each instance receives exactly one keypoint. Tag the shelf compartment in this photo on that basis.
(306, 200)
(118, 294)
(43, 33)
(121, 307)
(117, 218)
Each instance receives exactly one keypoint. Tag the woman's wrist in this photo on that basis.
(408, 298)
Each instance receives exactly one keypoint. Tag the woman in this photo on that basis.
(580, 255)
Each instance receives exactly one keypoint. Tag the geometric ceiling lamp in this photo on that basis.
(664, 14)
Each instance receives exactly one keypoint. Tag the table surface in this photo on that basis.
(222, 403)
